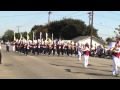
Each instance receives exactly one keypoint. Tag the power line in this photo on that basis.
(20, 15)
(114, 13)
(107, 17)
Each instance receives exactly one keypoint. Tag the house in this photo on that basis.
(87, 39)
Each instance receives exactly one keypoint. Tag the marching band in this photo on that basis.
(60, 48)
(49, 47)
(46, 47)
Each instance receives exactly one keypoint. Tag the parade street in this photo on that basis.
(18, 66)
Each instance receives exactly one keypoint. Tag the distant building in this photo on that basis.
(87, 39)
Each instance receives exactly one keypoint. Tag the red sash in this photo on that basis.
(86, 52)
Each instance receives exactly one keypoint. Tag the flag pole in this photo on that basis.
(33, 35)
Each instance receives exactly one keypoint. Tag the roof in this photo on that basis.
(85, 37)
(76, 39)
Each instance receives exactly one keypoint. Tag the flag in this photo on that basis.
(40, 35)
(28, 37)
(21, 36)
(14, 37)
(46, 36)
(52, 36)
(33, 36)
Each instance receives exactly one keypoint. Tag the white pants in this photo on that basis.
(13, 47)
(116, 62)
(79, 55)
(86, 57)
(119, 62)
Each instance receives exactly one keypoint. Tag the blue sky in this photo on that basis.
(104, 21)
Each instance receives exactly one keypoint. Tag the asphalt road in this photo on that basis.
(18, 66)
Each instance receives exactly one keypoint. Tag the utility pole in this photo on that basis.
(19, 31)
(91, 29)
(89, 18)
(49, 17)
(49, 13)
(18, 28)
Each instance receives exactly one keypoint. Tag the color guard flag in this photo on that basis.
(46, 36)
(21, 36)
(14, 37)
(40, 35)
(28, 37)
(52, 36)
(33, 36)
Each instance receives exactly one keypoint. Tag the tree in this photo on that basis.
(70, 28)
(108, 40)
(64, 29)
(8, 35)
(9, 32)
(37, 29)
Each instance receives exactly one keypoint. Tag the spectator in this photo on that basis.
(7, 46)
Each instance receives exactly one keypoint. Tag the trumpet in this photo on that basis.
(114, 50)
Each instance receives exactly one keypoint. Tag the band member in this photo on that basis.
(21, 47)
(49, 48)
(34, 48)
(86, 52)
(53, 48)
(68, 49)
(38, 48)
(41, 47)
(14, 46)
(115, 57)
(79, 50)
(45, 47)
(65, 51)
(62, 49)
(27, 48)
(58, 48)
(72, 48)
(75, 49)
